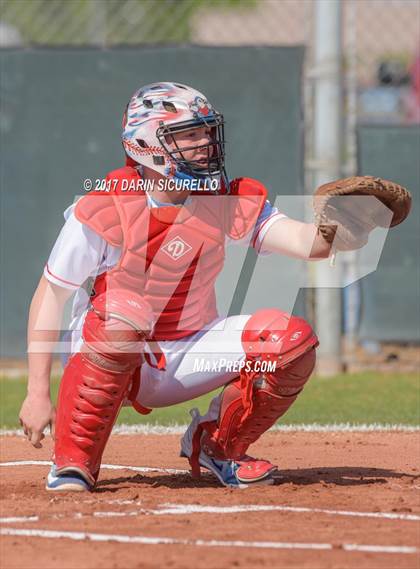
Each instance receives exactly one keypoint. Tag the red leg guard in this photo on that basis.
(237, 429)
(96, 381)
(253, 403)
(88, 404)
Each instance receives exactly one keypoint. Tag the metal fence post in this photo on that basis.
(327, 158)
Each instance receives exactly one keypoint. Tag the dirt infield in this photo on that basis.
(340, 500)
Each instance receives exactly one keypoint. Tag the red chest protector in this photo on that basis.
(170, 255)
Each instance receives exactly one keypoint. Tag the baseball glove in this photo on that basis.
(346, 222)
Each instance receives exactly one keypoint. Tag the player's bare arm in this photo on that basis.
(45, 316)
(296, 239)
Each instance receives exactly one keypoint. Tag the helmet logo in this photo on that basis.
(201, 108)
(176, 248)
(296, 336)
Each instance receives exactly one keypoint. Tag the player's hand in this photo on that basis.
(35, 414)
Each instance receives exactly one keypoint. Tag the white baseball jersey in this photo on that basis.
(80, 254)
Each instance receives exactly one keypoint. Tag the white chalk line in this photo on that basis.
(19, 519)
(105, 466)
(154, 429)
(188, 509)
(147, 540)
(176, 429)
(192, 508)
(117, 501)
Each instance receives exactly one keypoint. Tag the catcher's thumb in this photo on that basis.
(328, 232)
(36, 438)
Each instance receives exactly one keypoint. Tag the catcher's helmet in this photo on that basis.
(155, 114)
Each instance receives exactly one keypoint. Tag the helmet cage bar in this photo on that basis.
(212, 160)
(213, 164)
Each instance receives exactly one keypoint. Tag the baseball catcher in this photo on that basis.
(152, 246)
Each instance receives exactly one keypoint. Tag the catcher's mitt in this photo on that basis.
(346, 222)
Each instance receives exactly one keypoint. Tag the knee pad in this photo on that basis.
(273, 335)
(116, 326)
(252, 403)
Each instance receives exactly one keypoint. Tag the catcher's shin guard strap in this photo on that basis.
(133, 393)
(272, 396)
(209, 427)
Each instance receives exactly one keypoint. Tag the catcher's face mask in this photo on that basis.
(196, 147)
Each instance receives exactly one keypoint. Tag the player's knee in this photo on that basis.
(117, 324)
(284, 340)
(127, 307)
(276, 335)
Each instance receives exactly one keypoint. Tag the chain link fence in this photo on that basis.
(380, 38)
(381, 29)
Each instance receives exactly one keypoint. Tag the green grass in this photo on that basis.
(357, 399)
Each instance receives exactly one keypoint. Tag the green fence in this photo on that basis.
(60, 123)
(391, 295)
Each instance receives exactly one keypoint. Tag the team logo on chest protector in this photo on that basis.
(176, 248)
